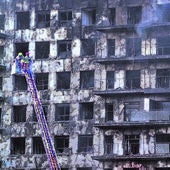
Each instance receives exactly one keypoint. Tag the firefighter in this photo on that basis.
(19, 58)
(26, 61)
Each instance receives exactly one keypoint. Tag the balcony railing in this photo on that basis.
(114, 84)
(134, 82)
(163, 50)
(133, 148)
(162, 148)
(162, 81)
(143, 116)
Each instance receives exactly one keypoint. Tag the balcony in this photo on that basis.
(131, 125)
(157, 49)
(138, 119)
(132, 87)
(116, 28)
(162, 86)
(144, 28)
(134, 59)
(130, 149)
(138, 157)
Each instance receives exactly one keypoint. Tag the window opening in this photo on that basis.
(38, 147)
(86, 79)
(18, 145)
(61, 144)
(86, 111)
(85, 143)
(131, 144)
(62, 112)
(23, 20)
(63, 80)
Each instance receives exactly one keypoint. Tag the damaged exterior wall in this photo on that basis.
(129, 127)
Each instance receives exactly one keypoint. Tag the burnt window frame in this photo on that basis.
(17, 145)
(37, 145)
(85, 44)
(90, 13)
(112, 16)
(133, 47)
(2, 52)
(129, 140)
(134, 15)
(85, 143)
(108, 144)
(111, 47)
(133, 79)
(110, 81)
(41, 80)
(64, 48)
(42, 5)
(19, 113)
(63, 146)
(162, 45)
(21, 47)
(86, 79)
(155, 105)
(67, 21)
(86, 111)
(2, 21)
(162, 78)
(45, 21)
(42, 50)
(62, 116)
(129, 107)
(20, 18)
(109, 112)
(18, 80)
(63, 80)
(1, 83)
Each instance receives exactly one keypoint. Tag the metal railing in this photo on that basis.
(143, 116)
(163, 50)
(133, 148)
(162, 148)
(162, 81)
(147, 81)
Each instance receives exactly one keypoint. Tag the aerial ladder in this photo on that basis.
(20, 67)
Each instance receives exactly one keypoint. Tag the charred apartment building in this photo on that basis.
(102, 69)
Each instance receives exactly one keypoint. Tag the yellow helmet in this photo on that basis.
(20, 53)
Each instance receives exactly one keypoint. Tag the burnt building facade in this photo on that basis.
(102, 71)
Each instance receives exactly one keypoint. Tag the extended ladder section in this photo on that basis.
(49, 148)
